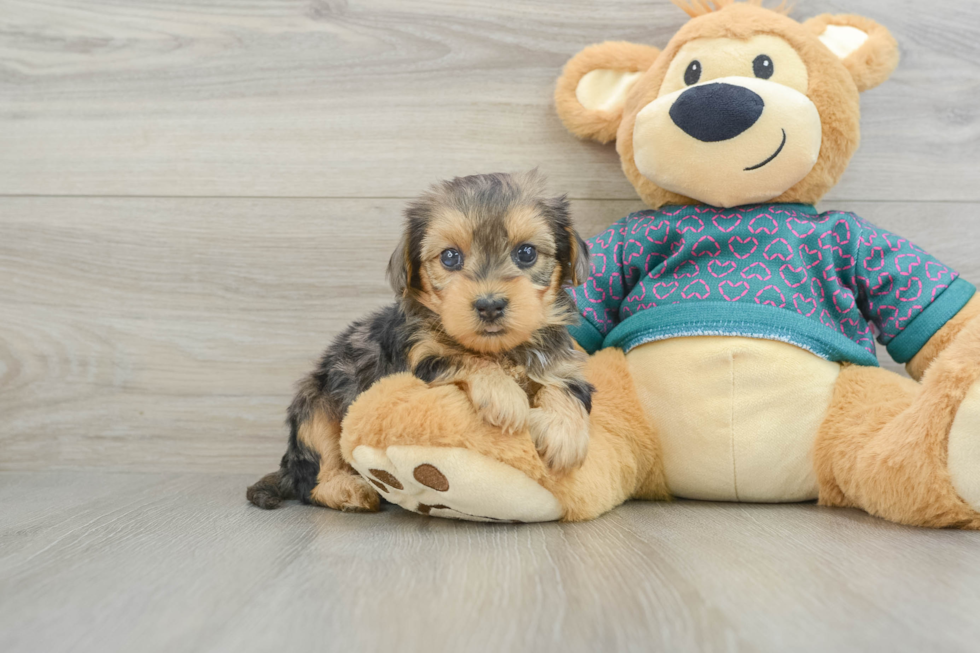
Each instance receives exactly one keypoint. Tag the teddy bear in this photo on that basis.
(731, 327)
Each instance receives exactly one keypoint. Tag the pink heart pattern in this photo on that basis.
(719, 269)
(834, 268)
(733, 291)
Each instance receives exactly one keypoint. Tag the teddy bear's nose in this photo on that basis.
(716, 112)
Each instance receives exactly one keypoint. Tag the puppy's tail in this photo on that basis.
(268, 492)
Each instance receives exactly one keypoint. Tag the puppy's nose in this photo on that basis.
(716, 112)
(490, 308)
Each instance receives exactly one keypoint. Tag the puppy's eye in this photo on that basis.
(525, 255)
(693, 73)
(762, 66)
(451, 259)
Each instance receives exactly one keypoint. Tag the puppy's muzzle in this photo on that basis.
(490, 309)
(716, 112)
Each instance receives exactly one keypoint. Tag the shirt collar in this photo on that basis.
(807, 209)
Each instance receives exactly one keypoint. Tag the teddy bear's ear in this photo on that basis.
(868, 50)
(594, 85)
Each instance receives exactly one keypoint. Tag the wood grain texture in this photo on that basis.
(142, 333)
(102, 562)
(195, 197)
(329, 98)
(168, 333)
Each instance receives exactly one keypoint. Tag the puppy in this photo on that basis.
(480, 272)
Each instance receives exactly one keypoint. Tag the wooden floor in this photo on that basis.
(195, 196)
(155, 562)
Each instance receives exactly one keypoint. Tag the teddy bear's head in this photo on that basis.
(744, 105)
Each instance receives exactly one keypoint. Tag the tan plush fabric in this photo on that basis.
(695, 8)
(833, 88)
(480, 489)
(885, 443)
(401, 423)
(877, 57)
(615, 56)
(963, 453)
(605, 90)
(715, 172)
(843, 40)
(942, 338)
(713, 418)
(737, 417)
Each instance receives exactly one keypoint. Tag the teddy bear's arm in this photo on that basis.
(908, 294)
(612, 278)
(943, 338)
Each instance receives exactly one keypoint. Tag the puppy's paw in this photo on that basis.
(500, 401)
(559, 428)
(346, 492)
(509, 413)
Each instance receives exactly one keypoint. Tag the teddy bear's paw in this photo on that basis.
(963, 454)
(455, 482)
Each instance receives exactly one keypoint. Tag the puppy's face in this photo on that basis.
(489, 256)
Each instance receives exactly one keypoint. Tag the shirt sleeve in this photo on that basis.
(599, 298)
(905, 292)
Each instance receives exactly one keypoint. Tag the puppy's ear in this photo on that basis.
(579, 258)
(399, 268)
(571, 251)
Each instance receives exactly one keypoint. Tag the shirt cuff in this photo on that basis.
(907, 344)
(586, 335)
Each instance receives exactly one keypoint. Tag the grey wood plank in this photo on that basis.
(335, 99)
(158, 334)
(162, 333)
(155, 562)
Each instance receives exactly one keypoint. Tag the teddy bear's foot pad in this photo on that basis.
(963, 457)
(455, 482)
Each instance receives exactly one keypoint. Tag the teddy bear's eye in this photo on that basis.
(693, 73)
(762, 66)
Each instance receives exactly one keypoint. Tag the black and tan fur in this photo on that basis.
(518, 365)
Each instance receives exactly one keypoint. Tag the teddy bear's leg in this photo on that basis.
(904, 451)
(428, 450)
(625, 460)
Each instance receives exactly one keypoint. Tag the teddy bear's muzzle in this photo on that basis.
(728, 142)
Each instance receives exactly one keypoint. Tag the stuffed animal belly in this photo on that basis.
(750, 411)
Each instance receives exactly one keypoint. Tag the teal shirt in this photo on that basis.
(827, 282)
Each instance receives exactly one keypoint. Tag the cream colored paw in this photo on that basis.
(499, 401)
(456, 483)
(559, 427)
(964, 449)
